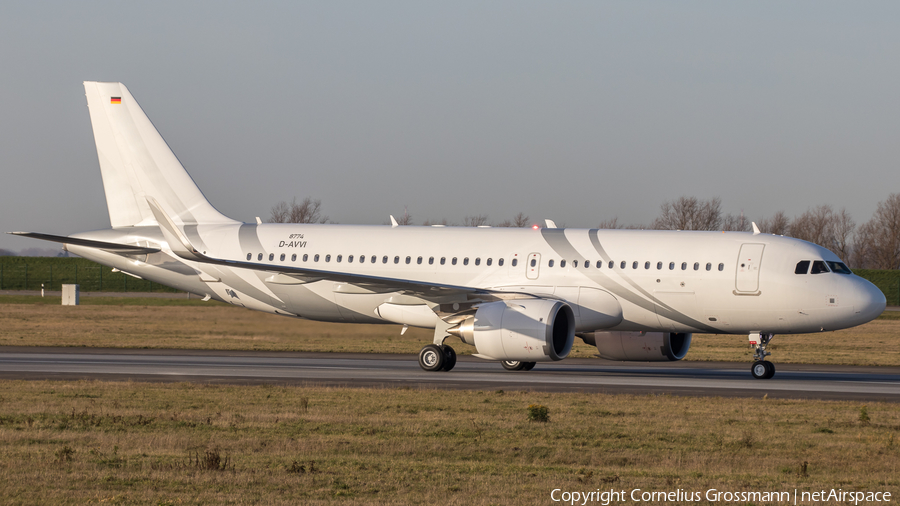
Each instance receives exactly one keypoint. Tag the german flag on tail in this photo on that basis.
(115, 100)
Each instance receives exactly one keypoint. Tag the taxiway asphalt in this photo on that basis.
(379, 370)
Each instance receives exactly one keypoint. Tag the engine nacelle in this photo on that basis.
(640, 346)
(527, 330)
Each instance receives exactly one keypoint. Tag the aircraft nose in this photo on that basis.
(870, 301)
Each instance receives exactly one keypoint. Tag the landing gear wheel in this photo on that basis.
(512, 365)
(449, 357)
(431, 358)
(527, 366)
(762, 369)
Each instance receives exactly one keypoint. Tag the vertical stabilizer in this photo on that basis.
(136, 163)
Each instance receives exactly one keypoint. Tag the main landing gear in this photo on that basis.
(515, 365)
(761, 368)
(437, 357)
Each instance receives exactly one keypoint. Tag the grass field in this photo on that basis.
(194, 324)
(89, 442)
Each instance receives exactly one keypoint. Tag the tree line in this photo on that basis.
(873, 245)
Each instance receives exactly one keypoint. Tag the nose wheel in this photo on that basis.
(761, 368)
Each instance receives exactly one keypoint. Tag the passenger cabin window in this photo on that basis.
(500, 262)
(684, 266)
(562, 263)
(839, 268)
(362, 259)
(466, 261)
(419, 260)
(396, 259)
(327, 258)
(249, 256)
(550, 263)
(271, 256)
(350, 259)
(646, 265)
(339, 258)
(430, 260)
(802, 267)
(721, 267)
(696, 266)
(282, 257)
(259, 257)
(708, 266)
(587, 264)
(373, 259)
(574, 263)
(599, 264)
(477, 261)
(443, 260)
(818, 267)
(384, 259)
(294, 257)
(533, 262)
(316, 258)
(453, 261)
(490, 261)
(408, 260)
(622, 265)
(515, 261)
(658, 266)
(634, 265)
(671, 266)
(611, 264)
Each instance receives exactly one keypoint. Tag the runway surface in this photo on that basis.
(373, 370)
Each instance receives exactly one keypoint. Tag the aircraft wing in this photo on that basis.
(183, 248)
(105, 246)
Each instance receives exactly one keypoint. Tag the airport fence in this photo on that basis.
(33, 273)
(29, 273)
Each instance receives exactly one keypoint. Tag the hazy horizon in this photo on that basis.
(578, 112)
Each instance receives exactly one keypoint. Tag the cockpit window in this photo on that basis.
(818, 267)
(802, 267)
(839, 268)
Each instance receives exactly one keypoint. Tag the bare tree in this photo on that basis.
(878, 240)
(778, 224)
(690, 213)
(814, 226)
(611, 223)
(735, 223)
(405, 218)
(475, 221)
(308, 211)
(842, 226)
(520, 220)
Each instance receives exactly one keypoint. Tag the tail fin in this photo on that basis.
(136, 163)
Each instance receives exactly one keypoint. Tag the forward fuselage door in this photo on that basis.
(533, 266)
(747, 273)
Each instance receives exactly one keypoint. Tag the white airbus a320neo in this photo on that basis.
(519, 296)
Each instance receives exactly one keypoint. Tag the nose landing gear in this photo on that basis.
(761, 368)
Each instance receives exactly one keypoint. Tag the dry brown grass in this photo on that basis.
(91, 442)
(218, 326)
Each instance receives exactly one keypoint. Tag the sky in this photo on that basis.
(574, 111)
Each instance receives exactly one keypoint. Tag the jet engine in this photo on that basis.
(526, 330)
(639, 346)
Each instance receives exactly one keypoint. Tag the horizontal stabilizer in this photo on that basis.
(105, 246)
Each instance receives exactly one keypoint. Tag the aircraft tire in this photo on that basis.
(760, 370)
(449, 357)
(431, 358)
(513, 365)
(770, 369)
(528, 366)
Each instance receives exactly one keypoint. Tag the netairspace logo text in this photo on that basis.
(611, 496)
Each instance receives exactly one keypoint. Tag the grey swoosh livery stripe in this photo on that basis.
(556, 239)
(248, 239)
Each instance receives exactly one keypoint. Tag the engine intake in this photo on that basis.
(528, 330)
(640, 346)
